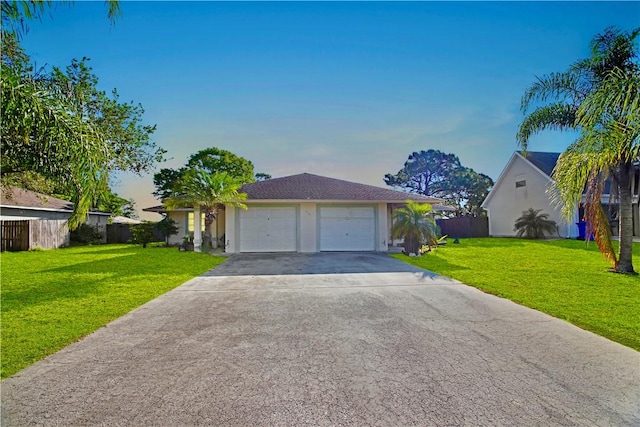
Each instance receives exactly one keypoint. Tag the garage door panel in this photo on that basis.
(267, 229)
(347, 228)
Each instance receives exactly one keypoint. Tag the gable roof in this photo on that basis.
(544, 164)
(306, 186)
(542, 160)
(16, 197)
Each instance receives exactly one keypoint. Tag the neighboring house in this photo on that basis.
(20, 204)
(302, 213)
(123, 220)
(524, 184)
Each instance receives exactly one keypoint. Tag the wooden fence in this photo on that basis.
(465, 226)
(118, 233)
(15, 235)
(23, 235)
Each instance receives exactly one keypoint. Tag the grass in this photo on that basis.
(563, 278)
(53, 298)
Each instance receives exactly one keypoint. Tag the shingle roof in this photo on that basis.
(14, 196)
(307, 186)
(124, 220)
(543, 161)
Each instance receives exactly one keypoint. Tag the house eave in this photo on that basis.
(33, 208)
(339, 201)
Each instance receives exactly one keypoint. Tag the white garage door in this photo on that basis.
(267, 229)
(347, 229)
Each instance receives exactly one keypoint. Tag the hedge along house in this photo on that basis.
(524, 184)
(303, 213)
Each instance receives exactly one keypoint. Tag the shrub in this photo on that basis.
(167, 227)
(533, 224)
(143, 232)
(86, 235)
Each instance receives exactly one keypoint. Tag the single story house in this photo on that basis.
(18, 204)
(302, 213)
(524, 184)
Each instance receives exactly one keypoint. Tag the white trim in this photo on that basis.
(432, 201)
(52, 210)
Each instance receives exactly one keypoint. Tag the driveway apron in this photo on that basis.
(329, 339)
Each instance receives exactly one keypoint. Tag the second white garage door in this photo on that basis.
(268, 229)
(347, 228)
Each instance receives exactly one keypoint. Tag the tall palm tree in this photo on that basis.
(415, 223)
(598, 97)
(533, 224)
(200, 189)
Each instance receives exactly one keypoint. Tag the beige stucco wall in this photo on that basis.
(307, 223)
(382, 235)
(180, 217)
(230, 230)
(507, 202)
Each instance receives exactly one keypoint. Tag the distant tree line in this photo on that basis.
(437, 174)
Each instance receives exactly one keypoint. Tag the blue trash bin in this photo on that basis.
(582, 230)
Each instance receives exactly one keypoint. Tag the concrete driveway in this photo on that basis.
(330, 339)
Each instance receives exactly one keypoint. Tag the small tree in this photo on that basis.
(416, 224)
(533, 224)
(167, 228)
(143, 232)
(207, 191)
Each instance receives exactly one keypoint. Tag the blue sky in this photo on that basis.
(346, 90)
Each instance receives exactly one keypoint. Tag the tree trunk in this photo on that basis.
(625, 215)
(411, 246)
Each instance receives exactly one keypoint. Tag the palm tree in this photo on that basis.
(198, 188)
(598, 97)
(415, 223)
(533, 224)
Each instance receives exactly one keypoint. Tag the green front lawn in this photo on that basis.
(53, 298)
(563, 278)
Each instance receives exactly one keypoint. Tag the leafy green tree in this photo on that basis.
(416, 225)
(212, 160)
(208, 191)
(533, 225)
(164, 181)
(597, 96)
(57, 124)
(466, 189)
(261, 176)
(143, 232)
(434, 173)
(424, 172)
(116, 205)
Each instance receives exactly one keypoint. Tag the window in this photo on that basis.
(190, 220)
(521, 183)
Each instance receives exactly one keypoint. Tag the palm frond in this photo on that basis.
(597, 222)
(415, 222)
(557, 116)
(568, 87)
